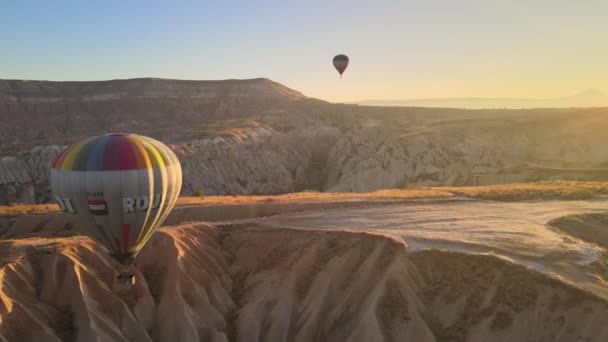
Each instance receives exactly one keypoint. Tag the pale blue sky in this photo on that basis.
(398, 49)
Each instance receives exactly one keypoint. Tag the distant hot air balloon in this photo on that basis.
(120, 187)
(340, 63)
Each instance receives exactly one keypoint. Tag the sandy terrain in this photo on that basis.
(516, 231)
(553, 190)
(363, 271)
(588, 227)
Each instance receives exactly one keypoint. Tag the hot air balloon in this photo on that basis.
(340, 63)
(120, 188)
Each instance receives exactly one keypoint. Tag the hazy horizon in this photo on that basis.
(398, 50)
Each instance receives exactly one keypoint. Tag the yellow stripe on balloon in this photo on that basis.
(68, 162)
(154, 155)
(157, 162)
(143, 159)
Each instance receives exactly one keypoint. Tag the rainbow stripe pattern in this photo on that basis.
(113, 152)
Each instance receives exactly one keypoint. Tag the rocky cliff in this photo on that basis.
(196, 282)
(259, 137)
(456, 150)
(42, 112)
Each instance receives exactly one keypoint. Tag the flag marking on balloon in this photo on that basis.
(98, 206)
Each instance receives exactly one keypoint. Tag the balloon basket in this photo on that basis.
(126, 275)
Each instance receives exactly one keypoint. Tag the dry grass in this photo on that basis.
(556, 190)
(319, 197)
(508, 192)
(20, 209)
(564, 190)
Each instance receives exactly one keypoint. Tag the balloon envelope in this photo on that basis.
(120, 187)
(340, 63)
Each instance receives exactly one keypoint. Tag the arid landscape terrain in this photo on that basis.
(303, 171)
(415, 265)
(312, 221)
(250, 137)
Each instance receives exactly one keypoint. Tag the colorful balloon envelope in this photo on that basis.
(119, 187)
(340, 63)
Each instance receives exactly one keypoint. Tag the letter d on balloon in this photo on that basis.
(142, 203)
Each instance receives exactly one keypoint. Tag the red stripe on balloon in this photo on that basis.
(117, 242)
(128, 161)
(119, 154)
(54, 164)
(111, 155)
(125, 236)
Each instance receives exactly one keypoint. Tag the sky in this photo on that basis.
(398, 49)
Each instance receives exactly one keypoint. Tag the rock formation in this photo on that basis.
(259, 137)
(250, 283)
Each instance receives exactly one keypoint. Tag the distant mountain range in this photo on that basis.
(586, 98)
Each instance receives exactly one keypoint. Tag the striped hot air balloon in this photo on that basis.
(120, 187)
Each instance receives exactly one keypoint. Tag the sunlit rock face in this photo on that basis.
(456, 150)
(196, 282)
(24, 178)
(260, 137)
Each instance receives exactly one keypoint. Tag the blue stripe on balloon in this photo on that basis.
(95, 160)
